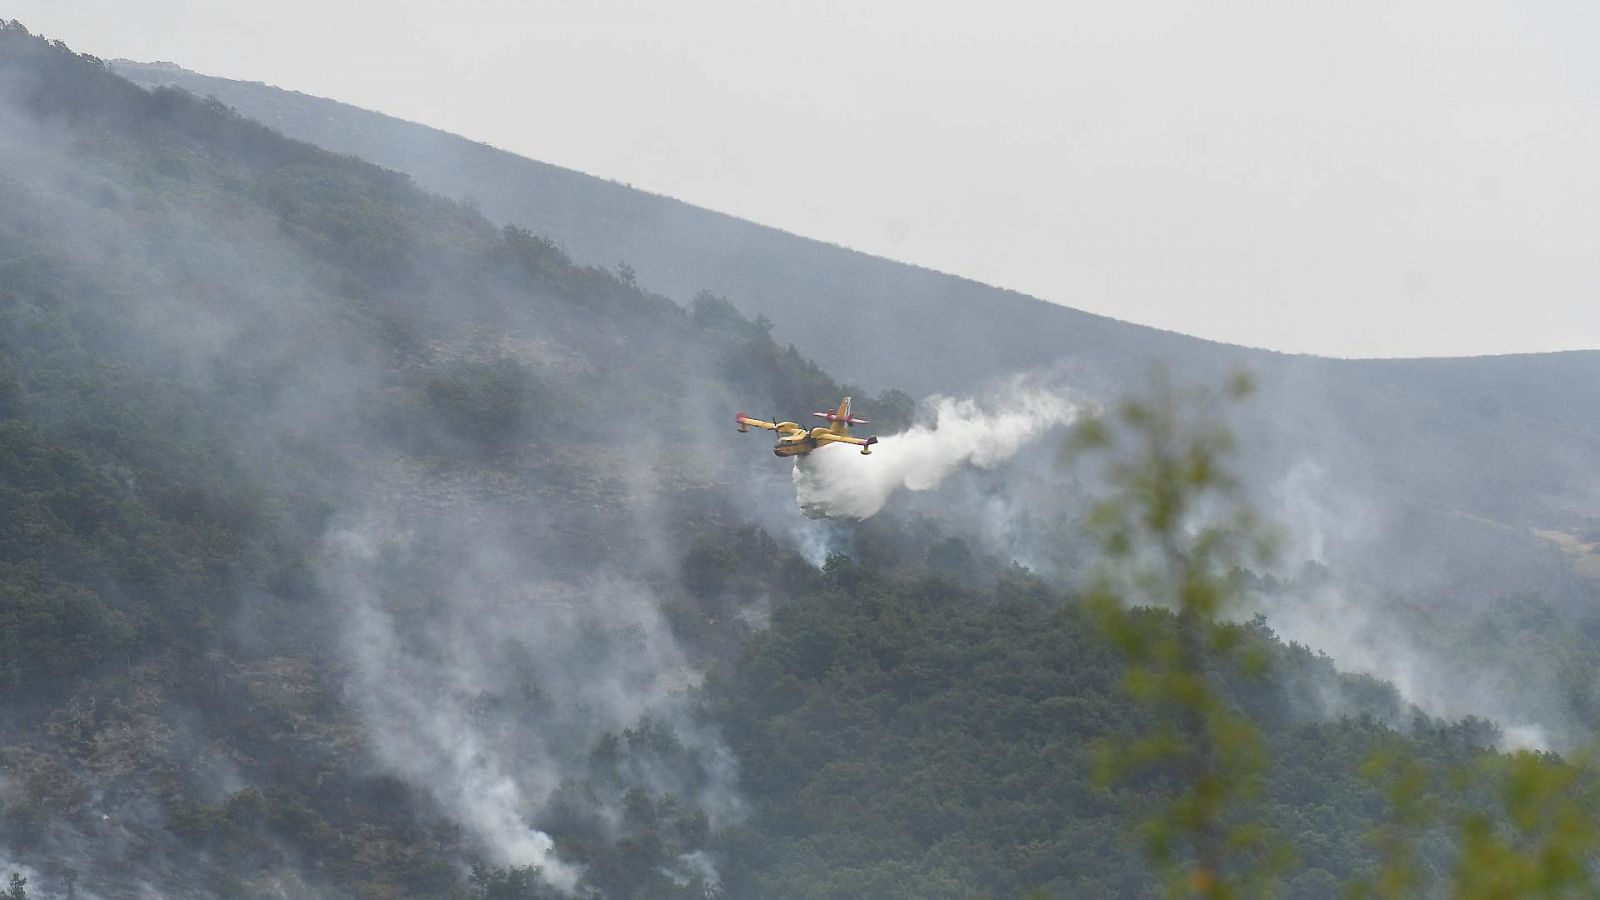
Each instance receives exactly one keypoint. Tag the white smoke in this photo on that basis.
(835, 482)
(423, 727)
(1349, 626)
(494, 693)
(814, 539)
(1355, 624)
(694, 868)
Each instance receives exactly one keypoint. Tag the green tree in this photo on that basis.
(1407, 785)
(512, 883)
(1547, 841)
(1176, 534)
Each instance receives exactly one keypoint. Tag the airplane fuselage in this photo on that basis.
(798, 445)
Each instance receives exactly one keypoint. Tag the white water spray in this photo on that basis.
(834, 483)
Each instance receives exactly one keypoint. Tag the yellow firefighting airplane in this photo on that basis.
(794, 440)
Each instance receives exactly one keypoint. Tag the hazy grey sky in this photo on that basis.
(1341, 177)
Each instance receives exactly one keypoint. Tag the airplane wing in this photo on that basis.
(785, 428)
(864, 443)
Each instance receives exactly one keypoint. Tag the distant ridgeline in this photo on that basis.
(354, 545)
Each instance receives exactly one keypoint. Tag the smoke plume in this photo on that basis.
(486, 678)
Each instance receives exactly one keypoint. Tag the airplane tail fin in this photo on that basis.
(839, 420)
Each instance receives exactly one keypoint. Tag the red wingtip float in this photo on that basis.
(794, 440)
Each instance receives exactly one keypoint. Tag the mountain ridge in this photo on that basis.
(878, 322)
(606, 233)
(230, 90)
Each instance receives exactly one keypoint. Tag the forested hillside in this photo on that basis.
(1384, 428)
(1448, 465)
(225, 353)
(357, 545)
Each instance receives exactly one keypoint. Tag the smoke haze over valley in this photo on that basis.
(377, 526)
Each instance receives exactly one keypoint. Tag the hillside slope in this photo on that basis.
(1510, 439)
(358, 547)
(312, 478)
(875, 321)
